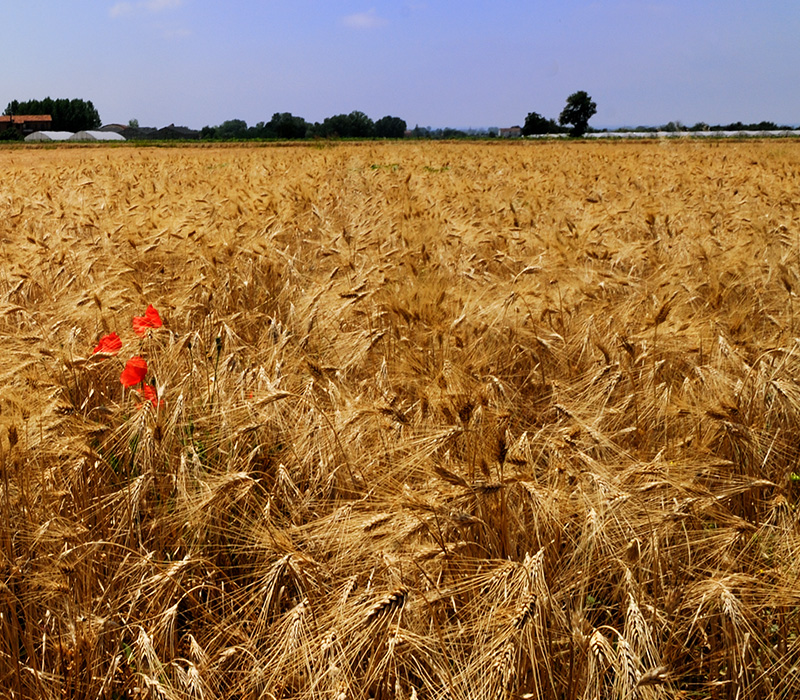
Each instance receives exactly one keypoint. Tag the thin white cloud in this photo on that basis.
(364, 20)
(148, 6)
(121, 8)
(159, 5)
(177, 33)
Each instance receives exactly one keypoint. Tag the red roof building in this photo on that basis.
(26, 123)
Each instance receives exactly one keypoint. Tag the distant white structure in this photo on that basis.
(689, 134)
(674, 134)
(512, 132)
(49, 136)
(97, 136)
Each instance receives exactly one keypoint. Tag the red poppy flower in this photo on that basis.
(134, 371)
(148, 393)
(151, 319)
(109, 345)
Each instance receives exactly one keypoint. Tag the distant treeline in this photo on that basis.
(285, 125)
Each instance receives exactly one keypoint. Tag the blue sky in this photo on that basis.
(431, 62)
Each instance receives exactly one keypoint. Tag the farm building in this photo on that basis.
(172, 132)
(26, 123)
(138, 133)
(510, 132)
(49, 136)
(97, 136)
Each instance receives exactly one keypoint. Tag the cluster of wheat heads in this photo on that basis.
(439, 421)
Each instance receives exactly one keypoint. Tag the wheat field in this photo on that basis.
(449, 421)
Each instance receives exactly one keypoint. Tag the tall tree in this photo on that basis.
(390, 128)
(579, 110)
(535, 123)
(232, 129)
(353, 125)
(284, 125)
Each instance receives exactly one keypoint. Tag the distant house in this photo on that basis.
(171, 132)
(26, 123)
(118, 128)
(138, 133)
(512, 132)
(176, 132)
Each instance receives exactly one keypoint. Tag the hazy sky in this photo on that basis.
(432, 62)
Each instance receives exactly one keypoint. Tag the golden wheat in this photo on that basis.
(500, 420)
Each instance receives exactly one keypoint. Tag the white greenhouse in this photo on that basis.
(49, 136)
(97, 136)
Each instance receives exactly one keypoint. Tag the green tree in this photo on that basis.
(67, 115)
(390, 128)
(258, 131)
(353, 125)
(673, 127)
(360, 125)
(450, 133)
(535, 123)
(10, 135)
(232, 129)
(579, 110)
(284, 125)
